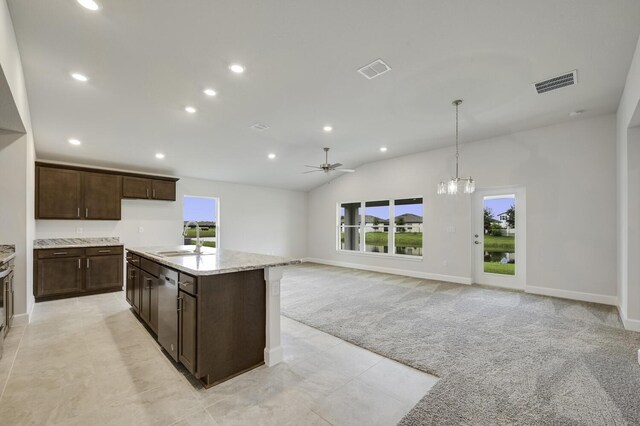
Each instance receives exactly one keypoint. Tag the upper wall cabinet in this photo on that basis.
(148, 189)
(71, 192)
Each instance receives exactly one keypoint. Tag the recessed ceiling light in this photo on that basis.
(576, 113)
(383, 149)
(237, 68)
(159, 156)
(75, 142)
(209, 92)
(190, 109)
(327, 129)
(79, 77)
(271, 156)
(90, 4)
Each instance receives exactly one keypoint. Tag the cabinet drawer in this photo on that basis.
(99, 251)
(62, 252)
(188, 283)
(134, 259)
(151, 267)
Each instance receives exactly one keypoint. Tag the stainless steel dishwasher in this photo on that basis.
(168, 311)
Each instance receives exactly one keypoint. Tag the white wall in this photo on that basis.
(17, 171)
(253, 219)
(628, 199)
(569, 174)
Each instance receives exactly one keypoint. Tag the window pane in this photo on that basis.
(350, 214)
(202, 210)
(408, 226)
(349, 238)
(376, 226)
(500, 234)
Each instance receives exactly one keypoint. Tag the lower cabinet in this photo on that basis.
(76, 271)
(142, 290)
(149, 299)
(59, 276)
(6, 286)
(187, 331)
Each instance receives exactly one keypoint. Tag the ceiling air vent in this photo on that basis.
(374, 69)
(564, 80)
(259, 126)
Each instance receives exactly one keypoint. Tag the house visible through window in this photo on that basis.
(203, 211)
(369, 221)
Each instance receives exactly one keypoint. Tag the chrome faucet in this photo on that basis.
(198, 243)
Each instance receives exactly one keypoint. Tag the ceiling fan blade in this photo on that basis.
(311, 171)
(314, 167)
(333, 166)
(345, 170)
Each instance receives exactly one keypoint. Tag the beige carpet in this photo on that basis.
(503, 357)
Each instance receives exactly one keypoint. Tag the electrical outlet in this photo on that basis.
(78, 230)
(451, 229)
(140, 229)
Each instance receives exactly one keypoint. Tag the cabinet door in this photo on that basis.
(58, 193)
(9, 301)
(146, 282)
(187, 331)
(102, 196)
(103, 272)
(59, 276)
(133, 187)
(163, 190)
(131, 273)
(153, 303)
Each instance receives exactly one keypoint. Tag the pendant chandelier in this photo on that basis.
(452, 186)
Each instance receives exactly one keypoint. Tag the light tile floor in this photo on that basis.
(90, 361)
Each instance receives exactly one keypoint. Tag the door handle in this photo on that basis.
(476, 242)
(86, 212)
(87, 263)
(154, 193)
(179, 307)
(79, 267)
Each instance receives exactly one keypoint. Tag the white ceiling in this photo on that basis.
(148, 59)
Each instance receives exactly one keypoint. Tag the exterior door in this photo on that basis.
(499, 238)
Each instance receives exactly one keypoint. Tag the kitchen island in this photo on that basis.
(217, 312)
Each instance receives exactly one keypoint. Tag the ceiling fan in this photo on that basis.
(327, 167)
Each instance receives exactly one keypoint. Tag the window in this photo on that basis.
(203, 211)
(350, 226)
(369, 221)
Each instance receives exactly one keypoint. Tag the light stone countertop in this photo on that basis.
(212, 261)
(76, 242)
(7, 252)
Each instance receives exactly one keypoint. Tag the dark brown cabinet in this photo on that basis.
(142, 289)
(102, 196)
(6, 286)
(187, 331)
(219, 320)
(58, 276)
(132, 290)
(58, 193)
(148, 189)
(72, 192)
(103, 271)
(76, 271)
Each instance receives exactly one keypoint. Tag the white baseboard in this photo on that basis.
(20, 319)
(393, 271)
(573, 295)
(629, 324)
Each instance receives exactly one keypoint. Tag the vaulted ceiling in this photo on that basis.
(148, 59)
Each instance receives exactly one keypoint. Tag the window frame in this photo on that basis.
(362, 233)
(217, 213)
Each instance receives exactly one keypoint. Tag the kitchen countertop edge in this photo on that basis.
(167, 262)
